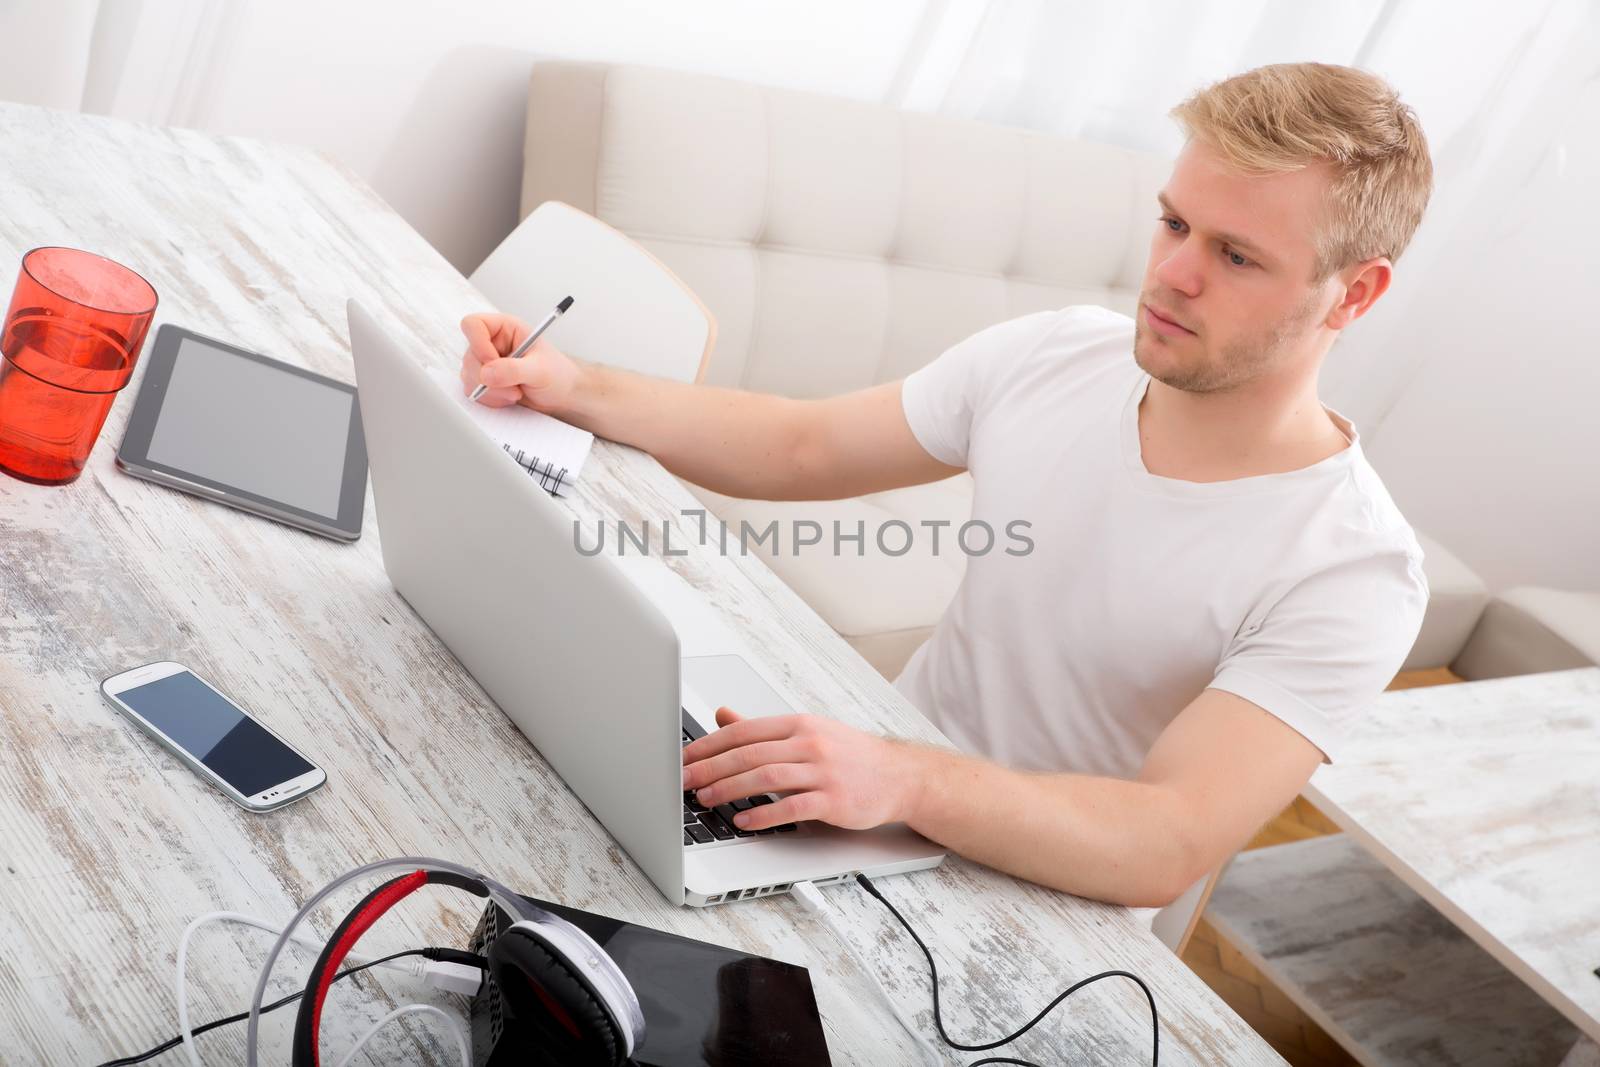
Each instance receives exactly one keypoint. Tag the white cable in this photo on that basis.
(184, 1030)
(498, 893)
(453, 977)
(811, 898)
(455, 1028)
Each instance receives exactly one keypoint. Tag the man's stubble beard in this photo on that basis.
(1242, 361)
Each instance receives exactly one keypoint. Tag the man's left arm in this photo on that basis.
(1218, 771)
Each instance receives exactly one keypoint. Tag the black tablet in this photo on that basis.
(248, 431)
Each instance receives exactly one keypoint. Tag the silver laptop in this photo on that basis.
(578, 652)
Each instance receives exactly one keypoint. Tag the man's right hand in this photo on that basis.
(740, 444)
(544, 379)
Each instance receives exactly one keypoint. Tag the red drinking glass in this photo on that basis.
(71, 339)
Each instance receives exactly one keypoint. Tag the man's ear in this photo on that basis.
(1363, 284)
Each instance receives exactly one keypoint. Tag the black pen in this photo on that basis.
(561, 309)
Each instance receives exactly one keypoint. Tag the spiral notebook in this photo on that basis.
(547, 448)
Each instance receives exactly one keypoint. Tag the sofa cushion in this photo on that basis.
(1528, 630)
(884, 604)
(1456, 597)
(838, 243)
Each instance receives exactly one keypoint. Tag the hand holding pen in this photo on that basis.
(522, 349)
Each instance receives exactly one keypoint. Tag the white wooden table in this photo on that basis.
(1457, 920)
(110, 847)
(1484, 798)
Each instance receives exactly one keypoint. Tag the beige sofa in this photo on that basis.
(840, 244)
(1530, 629)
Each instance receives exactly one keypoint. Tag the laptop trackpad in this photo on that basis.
(710, 682)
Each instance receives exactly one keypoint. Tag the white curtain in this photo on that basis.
(157, 60)
(1110, 71)
(1472, 70)
(146, 60)
(1489, 78)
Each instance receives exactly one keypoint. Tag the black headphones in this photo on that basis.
(554, 980)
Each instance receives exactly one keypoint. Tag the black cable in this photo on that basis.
(447, 955)
(933, 971)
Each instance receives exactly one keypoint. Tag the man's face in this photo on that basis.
(1231, 260)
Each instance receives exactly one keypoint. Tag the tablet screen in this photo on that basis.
(248, 424)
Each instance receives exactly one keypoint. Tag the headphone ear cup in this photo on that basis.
(549, 998)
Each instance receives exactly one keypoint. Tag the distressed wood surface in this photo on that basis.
(1484, 798)
(110, 846)
(1376, 966)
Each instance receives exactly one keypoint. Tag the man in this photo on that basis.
(1218, 579)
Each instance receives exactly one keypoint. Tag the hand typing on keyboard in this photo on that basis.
(831, 772)
(703, 825)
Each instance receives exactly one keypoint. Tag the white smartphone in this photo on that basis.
(213, 735)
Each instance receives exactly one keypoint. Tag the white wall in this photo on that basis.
(425, 99)
(1494, 445)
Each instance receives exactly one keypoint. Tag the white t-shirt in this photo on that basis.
(1301, 592)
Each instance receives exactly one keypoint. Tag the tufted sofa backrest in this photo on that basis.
(838, 243)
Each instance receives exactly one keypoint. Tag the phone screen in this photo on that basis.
(203, 722)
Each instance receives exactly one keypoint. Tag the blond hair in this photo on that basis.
(1287, 116)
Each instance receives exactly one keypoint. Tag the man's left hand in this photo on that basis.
(831, 772)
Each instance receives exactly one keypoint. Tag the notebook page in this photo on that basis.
(547, 448)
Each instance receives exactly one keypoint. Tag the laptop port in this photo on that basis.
(713, 898)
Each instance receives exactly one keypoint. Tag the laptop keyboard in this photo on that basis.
(714, 826)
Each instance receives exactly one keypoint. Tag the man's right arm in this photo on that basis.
(740, 444)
